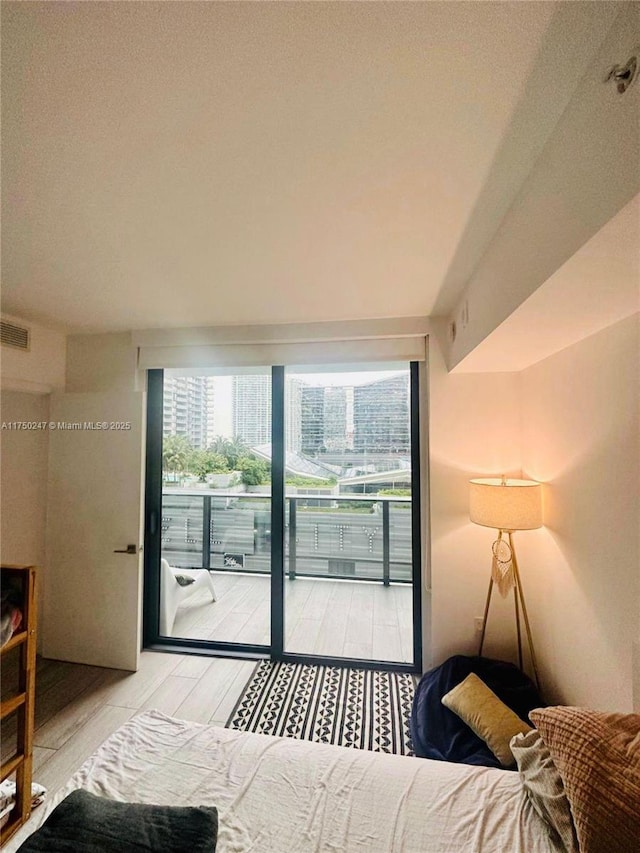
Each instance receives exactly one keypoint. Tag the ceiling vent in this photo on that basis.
(14, 336)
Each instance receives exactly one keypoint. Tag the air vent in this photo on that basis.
(14, 336)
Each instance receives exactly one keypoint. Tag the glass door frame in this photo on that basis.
(276, 651)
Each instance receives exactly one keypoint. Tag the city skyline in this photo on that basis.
(336, 417)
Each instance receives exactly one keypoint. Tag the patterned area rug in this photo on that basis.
(365, 709)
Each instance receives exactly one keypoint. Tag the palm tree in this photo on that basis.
(233, 449)
(219, 445)
(237, 449)
(176, 450)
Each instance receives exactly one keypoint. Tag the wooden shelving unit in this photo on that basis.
(23, 702)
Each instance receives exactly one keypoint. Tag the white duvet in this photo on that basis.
(279, 795)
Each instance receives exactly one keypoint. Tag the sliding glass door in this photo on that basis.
(213, 583)
(349, 522)
(283, 513)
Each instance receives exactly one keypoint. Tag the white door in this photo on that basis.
(91, 591)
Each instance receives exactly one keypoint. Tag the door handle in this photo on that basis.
(130, 549)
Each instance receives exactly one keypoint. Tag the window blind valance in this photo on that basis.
(311, 344)
(237, 355)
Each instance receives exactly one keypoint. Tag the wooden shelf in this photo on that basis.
(23, 702)
(14, 824)
(16, 640)
(10, 766)
(10, 705)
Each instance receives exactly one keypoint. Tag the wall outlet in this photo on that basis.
(478, 622)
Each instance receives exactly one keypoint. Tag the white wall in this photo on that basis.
(572, 422)
(23, 476)
(474, 425)
(39, 370)
(581, 437)
(586, 172)
(27, 378)
(23, 481)
(105, 362)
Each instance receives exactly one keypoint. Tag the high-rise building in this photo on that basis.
(252, 408)
(381, 416)
(293, 407)
(335, 418)
(210, 412)
(187, 403)
(312, 419)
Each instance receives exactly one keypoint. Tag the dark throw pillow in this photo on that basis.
(84, 823)
(438, 733)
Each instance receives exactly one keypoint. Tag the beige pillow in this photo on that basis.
(598, 758)
(487, 715)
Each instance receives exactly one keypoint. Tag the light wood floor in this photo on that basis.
(78, 706)
(322, 617)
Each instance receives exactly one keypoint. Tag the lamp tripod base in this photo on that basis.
(520, 607)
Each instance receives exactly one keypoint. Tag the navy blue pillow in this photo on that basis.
(438, 733)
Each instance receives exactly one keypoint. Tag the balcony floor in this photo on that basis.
(322, 617)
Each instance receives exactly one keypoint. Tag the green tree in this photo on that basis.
(233, 449)
(219, 445)
(203, 462)
(219, 463)
(176, 450)
(254, 471)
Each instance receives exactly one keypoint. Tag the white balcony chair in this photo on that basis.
(172, 594)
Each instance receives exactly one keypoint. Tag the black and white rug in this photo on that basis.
(365, 709)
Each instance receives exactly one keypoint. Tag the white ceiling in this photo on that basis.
(181, 164)
(193, 164)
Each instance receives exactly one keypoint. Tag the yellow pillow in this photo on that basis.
(489, 718)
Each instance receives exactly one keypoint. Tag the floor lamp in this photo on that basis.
(507, 505)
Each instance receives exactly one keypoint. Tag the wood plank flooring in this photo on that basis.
(322, 617)
(79, 706)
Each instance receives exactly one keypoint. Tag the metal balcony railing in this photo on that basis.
(354, 537)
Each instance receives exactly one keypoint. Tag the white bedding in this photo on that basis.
(280, 795)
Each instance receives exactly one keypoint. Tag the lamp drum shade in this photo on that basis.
(506, 504)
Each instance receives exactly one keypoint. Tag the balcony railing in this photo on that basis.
(355, 537)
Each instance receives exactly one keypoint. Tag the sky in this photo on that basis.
(340, 378)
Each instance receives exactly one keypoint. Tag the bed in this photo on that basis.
(290, 796)
(577, 788)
